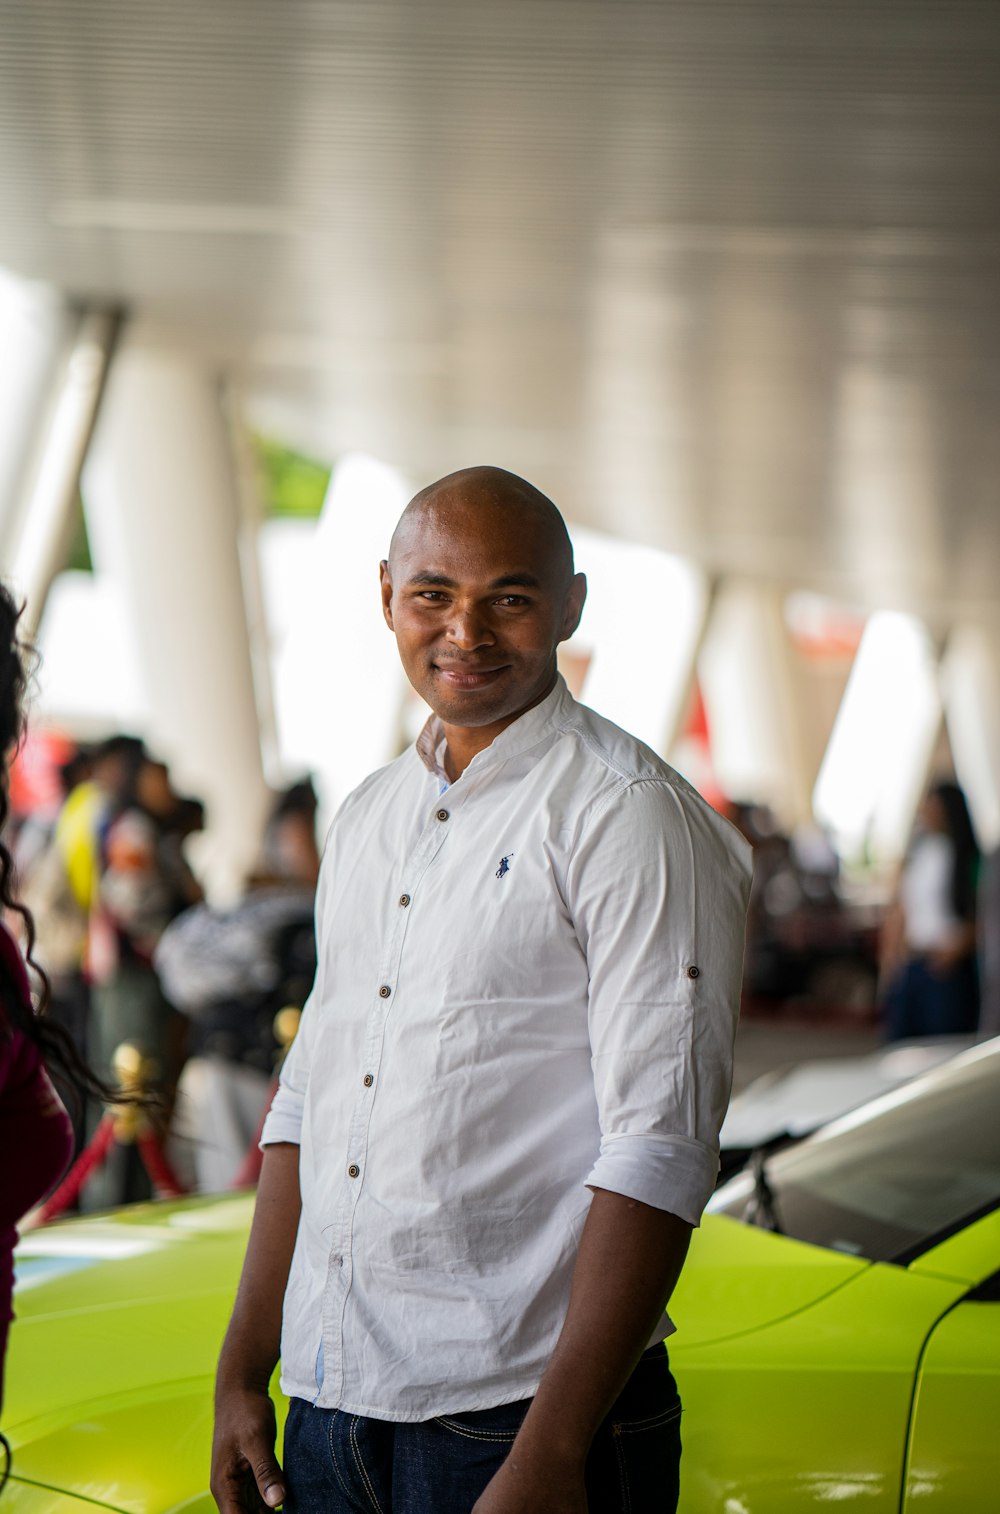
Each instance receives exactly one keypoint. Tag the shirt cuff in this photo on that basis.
(284, 1119)
(667, 1172)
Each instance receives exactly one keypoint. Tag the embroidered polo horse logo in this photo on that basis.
(504, 867)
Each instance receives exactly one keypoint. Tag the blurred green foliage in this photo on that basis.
(292, 485)
(78, 556)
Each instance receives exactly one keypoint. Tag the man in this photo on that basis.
(504, 1101)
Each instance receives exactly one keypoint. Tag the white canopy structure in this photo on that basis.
(722, 279)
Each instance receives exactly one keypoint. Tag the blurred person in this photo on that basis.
(61, 922)
(989, 945)
(45, 889)
(61, 889)
(230, 972)
(34, 1123)
(144, 882)
(61, 885)
(499, 1120)
(767, 974)
(929, 975)
(87, 808)
(37, 826)
(289, 852)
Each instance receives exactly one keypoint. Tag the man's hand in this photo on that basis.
(525, 1485)
(245, 1476)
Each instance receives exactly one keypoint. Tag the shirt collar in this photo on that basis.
(431, 746)
(524, 732)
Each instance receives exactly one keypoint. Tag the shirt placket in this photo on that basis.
(384, 992)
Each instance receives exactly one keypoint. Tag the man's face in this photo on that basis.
(479, 600)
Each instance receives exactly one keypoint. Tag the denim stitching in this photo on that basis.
(457, 1429)
(369, 1489)
(344, 1488)
(616, 1431)
(628, 1427)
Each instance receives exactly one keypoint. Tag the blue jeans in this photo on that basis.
(921, 1001)
(340, 1463)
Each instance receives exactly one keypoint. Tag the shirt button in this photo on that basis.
(354, 1171)
(384, 991)
(694, 972)
(368, 1080)
(404, 900)
(442, 814)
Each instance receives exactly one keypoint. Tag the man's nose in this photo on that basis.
(469, 628)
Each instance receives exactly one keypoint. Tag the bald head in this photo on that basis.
(491, 494)
(479, 590)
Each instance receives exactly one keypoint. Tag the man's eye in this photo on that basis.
(512, 600)
(431, 594)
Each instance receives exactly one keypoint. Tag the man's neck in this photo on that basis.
(462, 743)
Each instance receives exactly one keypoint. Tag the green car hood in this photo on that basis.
(119, 1320)
(738, 1279)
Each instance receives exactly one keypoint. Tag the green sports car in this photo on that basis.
(838, 1343)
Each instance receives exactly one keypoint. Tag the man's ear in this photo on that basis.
(575, 598)
(385, 579)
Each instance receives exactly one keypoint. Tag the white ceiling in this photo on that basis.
(721, 275)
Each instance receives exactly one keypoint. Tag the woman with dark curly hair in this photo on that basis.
(36, 1138)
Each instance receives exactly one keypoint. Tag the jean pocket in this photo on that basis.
(498, 1426)
(635, 1464)
(647, 1455)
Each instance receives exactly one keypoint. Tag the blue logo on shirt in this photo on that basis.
(504, 867)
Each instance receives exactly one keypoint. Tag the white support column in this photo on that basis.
(748, 684)
(45, 529)
(34, 327)
(970, 689)
(642, 627)
(876, 764)
(164, 523)
(339, 685)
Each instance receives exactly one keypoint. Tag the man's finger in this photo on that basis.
(270, 1483)
(237, 1493)
(251, 1482)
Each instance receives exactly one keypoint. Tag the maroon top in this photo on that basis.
(36, 1137)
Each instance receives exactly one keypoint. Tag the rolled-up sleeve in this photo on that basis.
(658, 890)
(284, 1118)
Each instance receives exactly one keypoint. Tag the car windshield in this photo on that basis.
(890, 1180)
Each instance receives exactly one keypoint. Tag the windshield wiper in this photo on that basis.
(762, 1209)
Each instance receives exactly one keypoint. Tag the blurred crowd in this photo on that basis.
(924, 962)
(812, 944)
(136, 957)
(208, 998)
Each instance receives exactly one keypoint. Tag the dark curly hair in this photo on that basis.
(59, 1052)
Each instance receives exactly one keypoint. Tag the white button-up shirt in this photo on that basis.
(527, 987)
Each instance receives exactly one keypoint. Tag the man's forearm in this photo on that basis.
(253, 1340)
(245, 1474)
(629, 1260)
(630, 1257)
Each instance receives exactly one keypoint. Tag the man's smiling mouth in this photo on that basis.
(464, 676)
